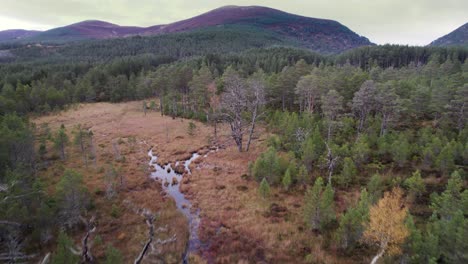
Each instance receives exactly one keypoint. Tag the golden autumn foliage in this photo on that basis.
(386, 227)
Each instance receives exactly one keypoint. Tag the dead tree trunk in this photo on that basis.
(331, 163)
(149, 221)
(86, 256)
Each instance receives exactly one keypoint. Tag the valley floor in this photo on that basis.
(237, 225)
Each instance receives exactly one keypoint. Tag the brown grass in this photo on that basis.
(238, 225)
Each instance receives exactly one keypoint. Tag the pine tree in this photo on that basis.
(414, 246)
(361, 151)
(199, 88)
(364, 102)
(63, 254)
(72, 197)
(450, 224)
(287, 181)
(445, 160)
(415, 185)
(308, 92)
(82, 140)
(375, 186)
(113, 256)
(452, 199)
(319, 209)
(268, 166)
(327, 207)
(264, 188)
(401, 150)
(388, 106)
(458, 108)
(353, 222)
(303, 175)
(349, 172)
(60, 141)
(332, 106)
(313, 149)
(312, 212)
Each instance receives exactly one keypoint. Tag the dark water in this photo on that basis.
(167, 174)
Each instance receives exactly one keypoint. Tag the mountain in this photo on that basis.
(458, 37)
(317, 34)
(16, 34)
(321, 35)
(89, 29)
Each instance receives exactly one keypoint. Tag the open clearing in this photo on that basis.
(237, 226)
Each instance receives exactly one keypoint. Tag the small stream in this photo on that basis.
(166, 175)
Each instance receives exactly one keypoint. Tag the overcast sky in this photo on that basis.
(414, 22)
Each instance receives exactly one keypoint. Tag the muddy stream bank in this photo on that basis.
(170, 180)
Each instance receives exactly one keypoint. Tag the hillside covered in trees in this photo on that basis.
(371, 144)
(320, 35)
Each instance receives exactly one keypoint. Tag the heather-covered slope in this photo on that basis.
(457, 37)
(16, 34)
(321, 35)
(317, 34)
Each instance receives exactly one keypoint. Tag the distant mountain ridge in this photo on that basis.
(17, 34)
(321, 35)
(457, 37)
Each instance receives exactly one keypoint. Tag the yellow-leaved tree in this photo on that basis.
(386, 227)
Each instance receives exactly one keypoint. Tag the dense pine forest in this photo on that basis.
(386, 123)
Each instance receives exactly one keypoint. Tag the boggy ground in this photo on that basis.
(237, 225)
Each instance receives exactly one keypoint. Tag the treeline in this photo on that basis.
(228, 39)
(44, 86)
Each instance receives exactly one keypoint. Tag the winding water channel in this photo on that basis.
(171, 184)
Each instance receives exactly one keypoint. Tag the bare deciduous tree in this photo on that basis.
(331, 162)
(242, 98)
(256, 100)
(234, 101)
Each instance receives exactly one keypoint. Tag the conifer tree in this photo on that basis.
(268, 166)
(60, 141)
(401, 150)
(313, 149)
(353, 223)
(445, 160)
(349, 172)
(63, 253)
(264, 188)
(287, 181)
(319, 209)
(327, 207)
(332, 106)
(312, 214)
(364, 102)
(303, 175)
(361, 151)
(113, 256)
(415, 185)
(72, 197)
